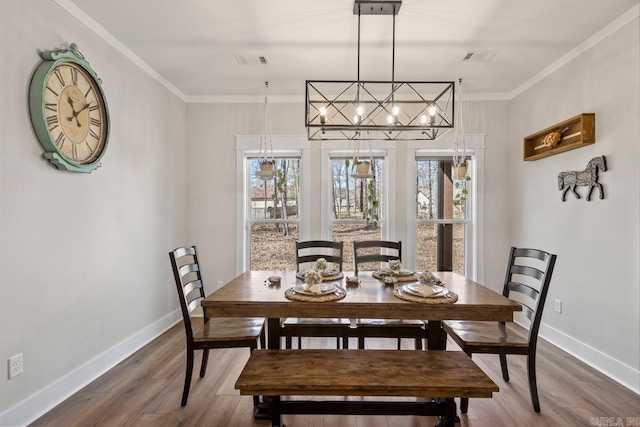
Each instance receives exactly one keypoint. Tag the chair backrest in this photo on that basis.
(529, 273)
(186, 272)
(362, 252)
(311, 250)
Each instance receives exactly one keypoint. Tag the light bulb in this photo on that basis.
(423, 119)
(432, 111)
(356, 119)
(323, 111)
(360, 110)
(395, 110)
(391, 119)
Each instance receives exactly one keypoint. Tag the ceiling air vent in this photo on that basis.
(479, 56)
(251, 59)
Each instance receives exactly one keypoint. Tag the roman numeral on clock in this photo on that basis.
(60, 140)
(74, 76)
(58, 74)
(52, 122)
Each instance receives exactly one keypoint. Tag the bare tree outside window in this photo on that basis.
(274, 215)
(440, 216)
(356, 205)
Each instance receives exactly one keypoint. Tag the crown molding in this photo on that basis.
(73, 10)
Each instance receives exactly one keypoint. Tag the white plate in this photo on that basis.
(414, 289)
(325, 288)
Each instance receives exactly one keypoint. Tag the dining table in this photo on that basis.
(252, 294)
(256, 294)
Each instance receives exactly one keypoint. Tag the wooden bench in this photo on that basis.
(439, 376)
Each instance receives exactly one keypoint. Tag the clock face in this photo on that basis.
(75, 113)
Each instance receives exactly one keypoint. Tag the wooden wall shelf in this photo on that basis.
(576, 132)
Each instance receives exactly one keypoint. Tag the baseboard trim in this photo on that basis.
(620, 372)
(39, 403)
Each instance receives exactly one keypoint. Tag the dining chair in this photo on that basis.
(527, 279)
(309, 252)
(382, 251)
(214, 332)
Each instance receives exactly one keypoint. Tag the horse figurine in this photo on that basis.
(569, 180)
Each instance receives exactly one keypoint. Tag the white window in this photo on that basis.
(271, 213)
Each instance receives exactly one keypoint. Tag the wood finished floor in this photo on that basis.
(145, 390)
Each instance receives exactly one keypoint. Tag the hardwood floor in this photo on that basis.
(145, 390)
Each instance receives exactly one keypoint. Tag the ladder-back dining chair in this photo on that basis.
(381, 251)
(214, 332)
(528, 276)
(308, 252)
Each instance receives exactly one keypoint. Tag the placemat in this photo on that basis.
(338, 294)
(448, 298)
(325, 277)
(381, 274)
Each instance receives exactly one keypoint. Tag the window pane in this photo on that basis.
(440, 247)
(348, 233)
(356, 197)
(268, 197)
(272, 245)
(438, 195)
(271, 249)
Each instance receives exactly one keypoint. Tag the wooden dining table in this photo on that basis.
(252, 295)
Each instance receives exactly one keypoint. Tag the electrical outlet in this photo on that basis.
(15, 365)
(557, 306)
(219, 284)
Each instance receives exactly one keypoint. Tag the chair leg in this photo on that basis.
(399, 344)
(464, 405)
(464, 401)
(187, 377)
(256, 399)
(287, 342)
(503, 365)
(205, 359)
(418, 343)
(337, 343)
(263, 343)
(533, 386)
(360, 342)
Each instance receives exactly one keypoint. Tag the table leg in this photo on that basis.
(273, 332)
(436, 336)
(276, 417)
(265, 410)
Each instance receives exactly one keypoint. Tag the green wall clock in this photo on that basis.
(69, 111)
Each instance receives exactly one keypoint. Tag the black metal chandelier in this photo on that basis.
(387, 110)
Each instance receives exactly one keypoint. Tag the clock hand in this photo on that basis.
(83, 108)
(75, 113)
(73, 110)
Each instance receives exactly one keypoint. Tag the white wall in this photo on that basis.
(597, 242)
(85, 271)
(211, 177)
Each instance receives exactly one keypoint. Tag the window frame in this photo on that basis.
(474, 220)
(247, 146)
(314, 210)
(377, 149)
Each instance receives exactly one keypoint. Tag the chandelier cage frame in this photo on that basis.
(410, 110)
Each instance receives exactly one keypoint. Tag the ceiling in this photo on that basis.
(193, 43)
